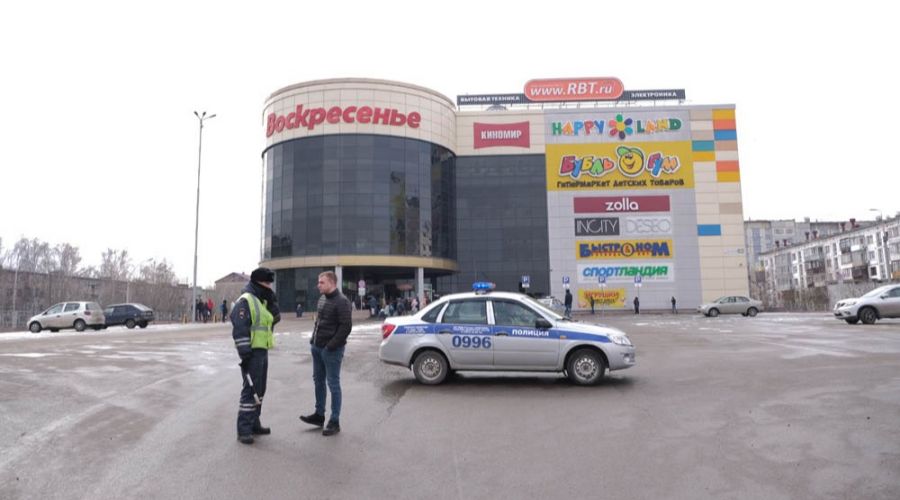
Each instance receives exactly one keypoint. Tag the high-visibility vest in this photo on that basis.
(261, 330)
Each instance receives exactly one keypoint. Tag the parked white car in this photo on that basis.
(735, 304)
(880, 303)
(77, 315)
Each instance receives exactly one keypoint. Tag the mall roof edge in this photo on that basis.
(333, 81)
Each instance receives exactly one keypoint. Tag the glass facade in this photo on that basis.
(359, 195)
(354, 195)
(501, 212)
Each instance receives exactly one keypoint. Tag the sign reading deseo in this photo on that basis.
(309, 118)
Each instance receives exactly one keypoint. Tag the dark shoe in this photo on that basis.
(331, 429)
(262, 431)
(246, 439)
(313, 419)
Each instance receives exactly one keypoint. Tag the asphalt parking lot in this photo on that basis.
(781, 406)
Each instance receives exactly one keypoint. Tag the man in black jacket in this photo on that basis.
(333, 325)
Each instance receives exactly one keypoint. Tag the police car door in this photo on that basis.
(518, 343)
(464, 332)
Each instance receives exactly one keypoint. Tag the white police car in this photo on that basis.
(500, 331)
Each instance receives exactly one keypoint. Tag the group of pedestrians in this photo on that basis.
(636, 302)
(253, 317)
(398, 306)
(203, 310)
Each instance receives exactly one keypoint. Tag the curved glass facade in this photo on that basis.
(357, 194)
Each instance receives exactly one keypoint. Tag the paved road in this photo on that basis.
(777, 407)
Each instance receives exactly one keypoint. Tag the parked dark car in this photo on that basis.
(128, 315)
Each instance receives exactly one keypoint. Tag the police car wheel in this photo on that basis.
(713, 312)
(585, 367)
(430, 367)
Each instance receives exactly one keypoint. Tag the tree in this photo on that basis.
(157, 273)
(33, 256)
(66, 259)
(116, 265)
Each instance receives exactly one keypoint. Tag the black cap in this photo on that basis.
(262, 275)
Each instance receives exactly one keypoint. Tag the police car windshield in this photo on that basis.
(546, 311)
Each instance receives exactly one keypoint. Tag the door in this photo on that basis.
(464, 332)
(518, 344)
(890, 305)
(728, 305)
(69, 315)
(741, 304)
(50, 318)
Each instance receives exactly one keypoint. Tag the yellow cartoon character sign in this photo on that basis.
(631, 160)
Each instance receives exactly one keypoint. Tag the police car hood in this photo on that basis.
(589, 329)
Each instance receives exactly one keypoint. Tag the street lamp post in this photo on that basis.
(201, 117)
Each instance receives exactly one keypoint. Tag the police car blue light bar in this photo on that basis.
(483, 286)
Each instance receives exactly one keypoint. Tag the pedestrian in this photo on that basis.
(209, 307)
(373, 307)
(299, 310)
(568, 303)
(224, 311)
(637, 305)
(674, 311)
(253, 316)
(415, 305)
(329, 338)
(592, 303)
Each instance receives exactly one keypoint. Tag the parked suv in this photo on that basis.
(128, 315)
(880, 303)
(77, 315)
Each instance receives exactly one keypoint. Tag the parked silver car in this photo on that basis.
(733, 304)
(77, 315)
(501, 331)
(883, 302)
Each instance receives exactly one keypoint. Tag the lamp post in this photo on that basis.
(201, 117)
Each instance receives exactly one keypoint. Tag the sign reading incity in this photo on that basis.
(311, 117)
(597, 226)
(489, 135)
(574, 89)
(621, 204)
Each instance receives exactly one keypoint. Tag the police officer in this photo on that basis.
(254, 314)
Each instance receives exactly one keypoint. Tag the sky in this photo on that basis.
(98, 140)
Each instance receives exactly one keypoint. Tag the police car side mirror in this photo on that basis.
(542, 323)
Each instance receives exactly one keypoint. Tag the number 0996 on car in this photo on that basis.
(471, 342)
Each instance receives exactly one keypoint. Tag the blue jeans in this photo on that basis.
(327, 369)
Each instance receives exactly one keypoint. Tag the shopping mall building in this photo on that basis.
(574, 184)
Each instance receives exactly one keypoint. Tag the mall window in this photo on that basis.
(359, 194)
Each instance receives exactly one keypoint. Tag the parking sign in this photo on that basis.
(565, 280)
(526, 281)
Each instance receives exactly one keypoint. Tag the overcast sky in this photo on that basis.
(98, 141)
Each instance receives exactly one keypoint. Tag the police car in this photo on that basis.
(500, 331)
